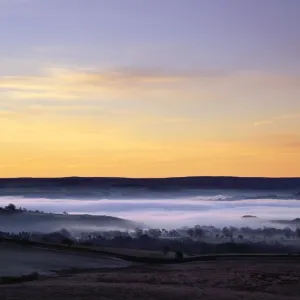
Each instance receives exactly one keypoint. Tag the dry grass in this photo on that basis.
(17, 260)
(17, 279)
(124, 253)
(129, 252)
(274, 279)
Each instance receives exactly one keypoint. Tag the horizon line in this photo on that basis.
(150, 178)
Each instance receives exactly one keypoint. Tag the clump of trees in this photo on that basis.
(190, 240)
(19, 279)
(188, 246)
(67, 241)
(179, 255)
(11, 208)
(166, 250)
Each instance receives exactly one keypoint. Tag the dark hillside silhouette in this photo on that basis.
(159, 184)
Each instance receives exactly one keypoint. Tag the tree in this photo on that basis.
(164, 232)
(67, 241)
(298, 233)
(166, 250)
(198, 232)
(288, 233)
(227, 232)
(174, 233)
(10, 207)
(190, 232)
(138, 232)
(155, 233)
(178, 255)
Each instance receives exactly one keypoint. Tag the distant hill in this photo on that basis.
(49, 222)
(154, 184)
(287, 222)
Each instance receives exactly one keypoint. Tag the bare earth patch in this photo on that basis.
(276, 279)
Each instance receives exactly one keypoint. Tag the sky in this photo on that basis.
(141, 88)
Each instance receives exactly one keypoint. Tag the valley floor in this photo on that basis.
(248, 279)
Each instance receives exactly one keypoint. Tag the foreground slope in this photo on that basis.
(16, 260)
(272, 279)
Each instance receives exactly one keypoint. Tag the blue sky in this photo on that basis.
(207, 35)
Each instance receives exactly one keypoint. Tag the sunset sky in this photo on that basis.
(149, 88)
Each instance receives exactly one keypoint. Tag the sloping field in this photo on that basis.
(272, 279)
(149, 257)
(16, 260)
(30, 221)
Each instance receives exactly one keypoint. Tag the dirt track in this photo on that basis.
(249, 279)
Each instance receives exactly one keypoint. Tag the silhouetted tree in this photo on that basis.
(198, 232)
(190, 232)
(166, 250)
(10, 207)
(155, 233)
(227, 232)
(138, 232)
(178, 255)
(288, 233)
(68, 242)
(240, 237)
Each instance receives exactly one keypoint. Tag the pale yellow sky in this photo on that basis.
(67, 122)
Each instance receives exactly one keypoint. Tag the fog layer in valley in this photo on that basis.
(215, 209)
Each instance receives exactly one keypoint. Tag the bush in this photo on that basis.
(166, 250)
(68, 242)
(178, 255)
(19, 279)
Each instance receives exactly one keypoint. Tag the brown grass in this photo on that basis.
(17, 279)
(125, 251)
(275, 279)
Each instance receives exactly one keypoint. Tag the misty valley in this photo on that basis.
(146, 233)
(206, 223)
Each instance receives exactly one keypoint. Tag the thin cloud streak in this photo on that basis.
(278, 118)
(60, 84)
(260, 123)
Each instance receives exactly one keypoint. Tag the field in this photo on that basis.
(16, 260)
(90, 275)
(248, 279)
(46, 222)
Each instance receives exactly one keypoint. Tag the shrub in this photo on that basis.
(178, 255)
(68, 242)
(19, 279)
(166, 250)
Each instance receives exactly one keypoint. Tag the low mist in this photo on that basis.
(215, 210)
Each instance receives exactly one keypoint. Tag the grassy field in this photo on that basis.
(154, 257)
(85, 273)
(271, 279)
(17, 260)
